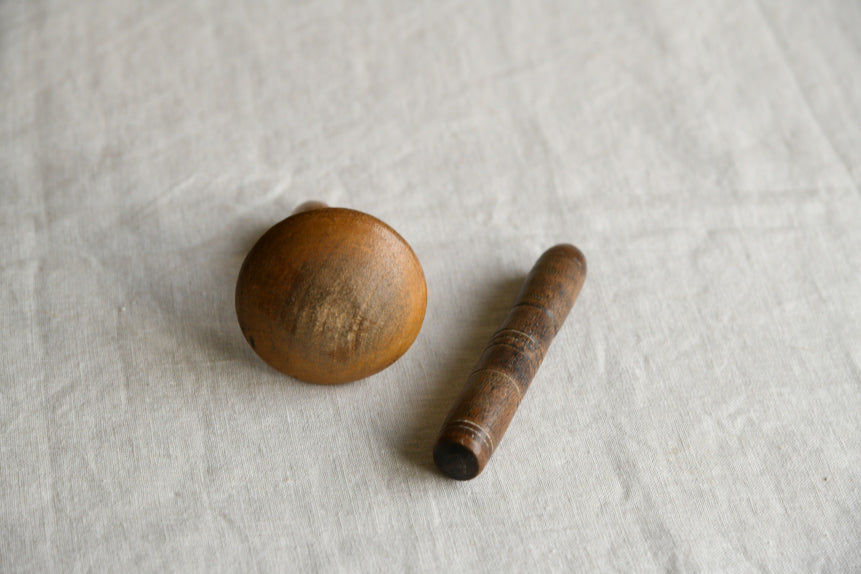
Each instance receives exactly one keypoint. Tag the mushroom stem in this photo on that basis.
(309, 206)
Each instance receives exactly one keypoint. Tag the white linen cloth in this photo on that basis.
(699, 412)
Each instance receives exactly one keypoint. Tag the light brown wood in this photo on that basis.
(330, 295)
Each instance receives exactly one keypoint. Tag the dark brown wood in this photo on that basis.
(480, 416)
(330, 295)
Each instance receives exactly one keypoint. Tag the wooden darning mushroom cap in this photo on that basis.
(330, 295)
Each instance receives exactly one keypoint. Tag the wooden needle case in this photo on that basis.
(479, 418)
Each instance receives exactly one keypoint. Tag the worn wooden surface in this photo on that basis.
(493, 391)
(330, 295)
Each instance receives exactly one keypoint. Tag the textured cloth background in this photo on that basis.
(699, 412)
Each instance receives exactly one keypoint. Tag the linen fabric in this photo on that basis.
(700, 410)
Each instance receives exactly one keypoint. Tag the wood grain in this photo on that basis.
(475, 425)
(330, 295)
